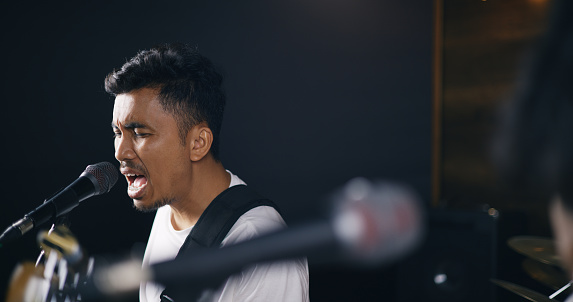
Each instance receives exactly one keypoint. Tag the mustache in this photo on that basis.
(133, 166)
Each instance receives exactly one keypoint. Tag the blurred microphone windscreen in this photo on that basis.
(377, 222)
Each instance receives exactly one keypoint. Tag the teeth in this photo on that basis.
(133, 187)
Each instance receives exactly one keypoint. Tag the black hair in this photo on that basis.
(190, 86)
(534, 146)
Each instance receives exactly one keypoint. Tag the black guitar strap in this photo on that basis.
(215, 222)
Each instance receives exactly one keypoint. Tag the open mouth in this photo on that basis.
(136, 182)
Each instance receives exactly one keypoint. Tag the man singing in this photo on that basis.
(167, 117)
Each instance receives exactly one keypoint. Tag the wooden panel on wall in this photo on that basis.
(484, 44)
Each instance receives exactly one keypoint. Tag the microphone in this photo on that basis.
(95, 180)
(371, 224)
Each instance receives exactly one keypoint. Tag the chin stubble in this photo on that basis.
(156, 205)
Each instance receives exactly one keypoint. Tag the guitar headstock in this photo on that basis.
(60, 270)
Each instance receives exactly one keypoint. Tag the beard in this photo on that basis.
(154, 206)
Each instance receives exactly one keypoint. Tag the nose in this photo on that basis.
(123, 149)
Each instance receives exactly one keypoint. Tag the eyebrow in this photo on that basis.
(131, 125)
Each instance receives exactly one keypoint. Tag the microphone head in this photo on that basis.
(377, 222)
(104, 174)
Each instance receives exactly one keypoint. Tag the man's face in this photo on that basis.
(147, 145)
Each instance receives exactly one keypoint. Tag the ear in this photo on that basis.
(201, 139)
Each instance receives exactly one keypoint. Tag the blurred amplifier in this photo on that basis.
(456, 261)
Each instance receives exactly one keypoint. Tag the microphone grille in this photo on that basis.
(105, 174)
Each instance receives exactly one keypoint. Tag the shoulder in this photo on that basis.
(254, 223)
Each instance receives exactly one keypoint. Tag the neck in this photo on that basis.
(208, 179)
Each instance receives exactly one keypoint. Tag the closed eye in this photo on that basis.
(137, 129)
(140, 134)
(116, 131)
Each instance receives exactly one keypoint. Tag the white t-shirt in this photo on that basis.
(279, 281)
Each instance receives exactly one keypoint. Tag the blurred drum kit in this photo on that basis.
(542, 265)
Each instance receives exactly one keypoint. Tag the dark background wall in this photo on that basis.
(318, 91)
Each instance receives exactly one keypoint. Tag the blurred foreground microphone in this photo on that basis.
(95, 180)
(371, 224)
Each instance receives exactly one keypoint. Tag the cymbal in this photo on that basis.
(523, 292)
(545, 274)
(538, 248)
